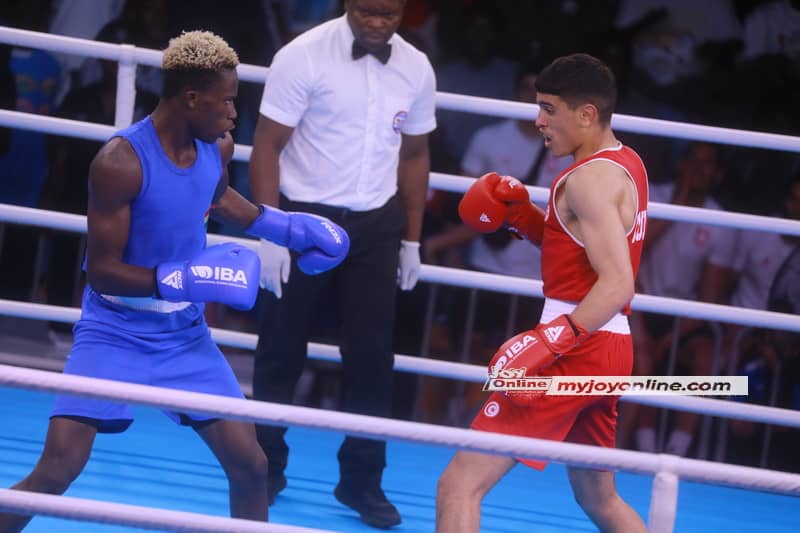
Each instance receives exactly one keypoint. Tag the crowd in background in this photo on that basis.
(740, 71)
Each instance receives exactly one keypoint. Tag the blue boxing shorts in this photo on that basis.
(172, 350)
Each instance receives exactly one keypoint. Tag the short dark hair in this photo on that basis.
(194, 59)
(579, 79)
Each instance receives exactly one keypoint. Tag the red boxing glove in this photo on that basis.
(536, 349)
(494, 201)
(522, 217)
(479, 209)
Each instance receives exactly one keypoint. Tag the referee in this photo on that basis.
(343, 133)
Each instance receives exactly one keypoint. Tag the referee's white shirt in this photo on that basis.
(347, 115)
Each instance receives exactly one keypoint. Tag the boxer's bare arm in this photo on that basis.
(599, 203)
(115, 179)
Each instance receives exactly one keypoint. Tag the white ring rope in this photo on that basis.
(455, 102)
(375, 427)
(468, 278)
(102, 512)
(446, 369)
(642, 302)
(83, 47)
(438, 180)
(236, 339)
(56, 126)
(650, 126)
(456, 183)
(445, 182)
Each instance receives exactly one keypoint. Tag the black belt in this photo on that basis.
(334, 212)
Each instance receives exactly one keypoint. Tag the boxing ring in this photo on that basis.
(136, 481)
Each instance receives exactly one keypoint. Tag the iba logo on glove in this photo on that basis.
(217, 274)
(512, 352)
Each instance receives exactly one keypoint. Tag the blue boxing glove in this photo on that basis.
(322, 244)
(226, 273)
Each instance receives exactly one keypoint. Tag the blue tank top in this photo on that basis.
(167, 223)
(168, 218)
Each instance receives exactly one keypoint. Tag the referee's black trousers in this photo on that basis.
(364, 285)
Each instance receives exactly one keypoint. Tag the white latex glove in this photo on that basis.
(408, 268)
(275, 265)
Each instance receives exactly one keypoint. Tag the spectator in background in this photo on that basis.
(23, 167)
(82, 19)
(708, 43)
(539, 31)
(144, 23)
(420, 20)
(769, 71)
(8, 93)
(659, 66)
(477, 70)
(96, 103)
(686, 260)
(785, 298)
(773, 28)
(772, 365)
(343, 132)
(36, 74)
(760, 254)
(764, 281)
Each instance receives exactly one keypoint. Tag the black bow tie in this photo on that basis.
(381, 54)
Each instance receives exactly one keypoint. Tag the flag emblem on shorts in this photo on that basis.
(491, 409)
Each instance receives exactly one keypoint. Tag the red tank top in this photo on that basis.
(566, 271)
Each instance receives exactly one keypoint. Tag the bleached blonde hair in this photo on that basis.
(193, 58)
(201, 50)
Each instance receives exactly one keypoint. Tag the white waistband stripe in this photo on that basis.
(554, 308)
(146, 304)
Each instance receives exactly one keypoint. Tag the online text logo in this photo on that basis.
(515, 380)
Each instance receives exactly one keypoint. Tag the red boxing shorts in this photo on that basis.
(579, 419)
